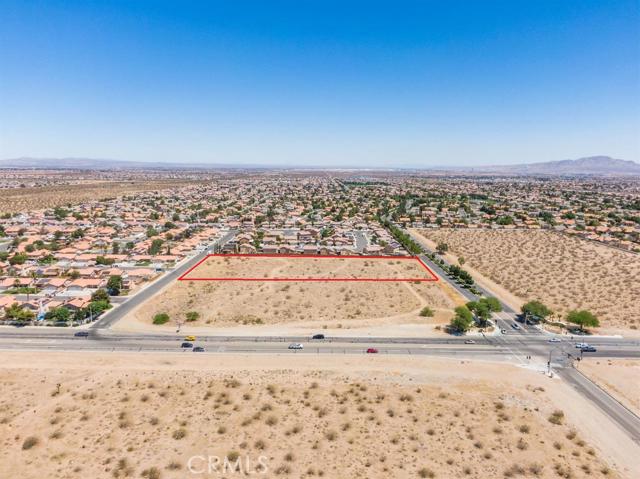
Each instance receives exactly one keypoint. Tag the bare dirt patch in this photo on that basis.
(102, 415)
(15, 200)
(330, 304)
(564, 272)
(304, 268)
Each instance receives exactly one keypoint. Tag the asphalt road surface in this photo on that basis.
(111, 317)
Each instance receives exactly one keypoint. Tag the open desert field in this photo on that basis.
(279, 267)
(564, 272)
(619, 377)
(15, 200)
(83, 415)
(307, 304)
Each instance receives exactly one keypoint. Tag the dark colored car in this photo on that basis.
(318, 336)
(198, 349)
(81, 334)
(186, 345)
(588, 349)
(372, 351)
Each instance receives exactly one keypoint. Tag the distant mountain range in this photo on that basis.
(593, 166)
(103, 164)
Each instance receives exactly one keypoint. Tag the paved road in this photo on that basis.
(111, 317)
(618, 413)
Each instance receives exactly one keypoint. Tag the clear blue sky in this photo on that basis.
(320, 82)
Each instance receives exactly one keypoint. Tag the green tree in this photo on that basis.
(192, 316)
(462, 321)
(101, 260)
(161, 318)
(100, 295)
(481, 310)
(442, 247)
(535, 310)
(18, 313)
(114, 284)
(493, 304)
(583, 318)
(59, 314)
(18, 258)
(156, 246)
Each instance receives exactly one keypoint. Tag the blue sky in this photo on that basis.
(388, 84)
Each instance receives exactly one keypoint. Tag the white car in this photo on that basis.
(296, 346)
(555, 340)
(582, 345)
(469, 341)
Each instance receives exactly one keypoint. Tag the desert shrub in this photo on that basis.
(30, 442)
(557, 417)
(151, 473)
(426, 472)
(427, 312)
(179, 433)
(161, 318)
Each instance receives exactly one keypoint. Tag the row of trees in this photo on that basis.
(537, 311)
(100, 302)
(479, 312)
(403, 238)
(474, 312)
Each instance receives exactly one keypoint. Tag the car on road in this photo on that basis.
(198, 349)
(555, 340)
(582, 345)
(189, 338)
(81, 334)
(186, 345)
(318, 336)
(588, 349)
(503, 331)
(296, 346)
(469, 341)
(372, 351)
(515, 326)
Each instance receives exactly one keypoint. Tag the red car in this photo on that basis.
(372, 350)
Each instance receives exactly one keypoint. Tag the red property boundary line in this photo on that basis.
(433, 277)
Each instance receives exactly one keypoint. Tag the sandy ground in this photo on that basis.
(564, 272)
(300, 307)
(13, 200)
(619, 377)
(67, 415)
(299, 267)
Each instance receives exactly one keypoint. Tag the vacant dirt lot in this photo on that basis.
(331, 304)
(100, 415)
(619, 377)
(15, 200)
(564, 272)
(299, 267)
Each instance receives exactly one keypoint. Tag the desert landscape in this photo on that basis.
(564, 272)
(149, 415)
(305, 268)
(316, 304)
(15, 200)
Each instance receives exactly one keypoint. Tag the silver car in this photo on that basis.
(296, 346)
